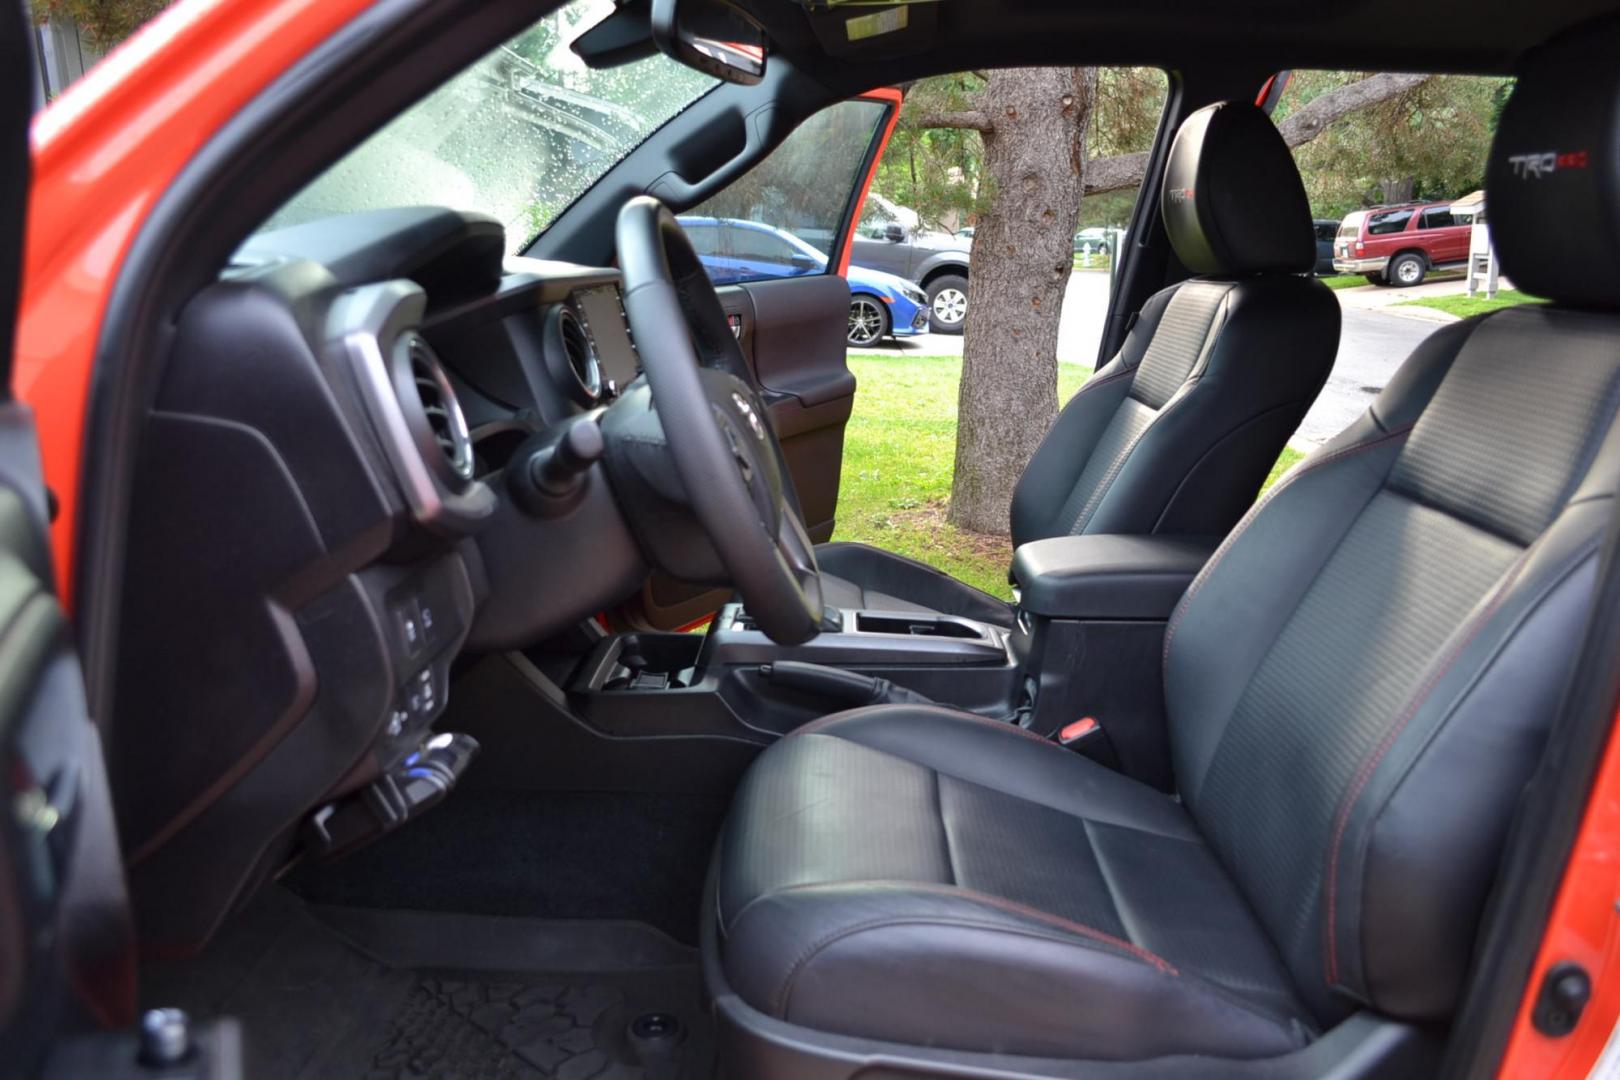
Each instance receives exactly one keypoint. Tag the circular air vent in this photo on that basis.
(580, 354)
(440, 408)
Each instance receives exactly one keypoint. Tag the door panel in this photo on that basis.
(773, 241)
(885, 255)
(797, 344)
(66, 951)
(792, 335)
(1456, 244)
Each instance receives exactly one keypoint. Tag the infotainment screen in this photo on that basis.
(610, 331)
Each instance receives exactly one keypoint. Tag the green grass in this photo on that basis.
(1098, 262)
(1342, 281)
(1463, 306)
(1290, 457)
(899, 453)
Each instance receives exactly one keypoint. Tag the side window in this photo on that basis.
(1391, 221)
(784, 214)
(705, 236)
(751, 241)
(875, 219)
(773, 253)
(1437, 217)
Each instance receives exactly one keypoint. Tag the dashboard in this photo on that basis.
(326, 519)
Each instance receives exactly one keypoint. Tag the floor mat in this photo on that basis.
(538, 854)
(466, 1026)
(314, 1007)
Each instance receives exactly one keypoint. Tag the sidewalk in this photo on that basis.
(1393, 301)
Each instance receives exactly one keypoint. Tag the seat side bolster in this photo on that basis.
(1134, 505)
(907, 962)
(1267, 356)
(1255, 579)
(1481, 715)
(1052, 472)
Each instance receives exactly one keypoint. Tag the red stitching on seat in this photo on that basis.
(1092, 384)
(831, 718)
(1364, 774)
(1254, 512)
(1082, 929)
(1014, 907)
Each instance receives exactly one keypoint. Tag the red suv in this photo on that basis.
(1398, 245)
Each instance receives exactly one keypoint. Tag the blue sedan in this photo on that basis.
(734, 250)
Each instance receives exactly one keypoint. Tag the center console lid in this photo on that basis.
(1108, 577)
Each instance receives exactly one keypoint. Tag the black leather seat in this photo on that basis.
(1176, 433)
(1358, 686)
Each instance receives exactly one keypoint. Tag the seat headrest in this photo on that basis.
(1552, 189)
(1233, 202)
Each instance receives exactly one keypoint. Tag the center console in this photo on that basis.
(1083, 658)
(631, 680)
(1090, 640)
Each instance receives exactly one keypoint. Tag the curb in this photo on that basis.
(1406, 309)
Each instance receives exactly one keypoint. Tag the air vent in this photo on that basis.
(442, 410)
(581, 354)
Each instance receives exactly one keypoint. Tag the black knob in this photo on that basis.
(544, 475)
(165, 1037)
(580, 447)
(1565, 992)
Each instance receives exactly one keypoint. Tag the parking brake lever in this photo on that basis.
(836, 684)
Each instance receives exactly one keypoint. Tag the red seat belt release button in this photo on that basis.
(1079, 730)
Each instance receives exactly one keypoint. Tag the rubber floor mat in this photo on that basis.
(314, 1007)
(460, 1027)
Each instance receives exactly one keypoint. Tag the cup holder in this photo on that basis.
(915, 625)
(653, 662)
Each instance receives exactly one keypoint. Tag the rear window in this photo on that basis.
(1350, 227)
(1389, 221)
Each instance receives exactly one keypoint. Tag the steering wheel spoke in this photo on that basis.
(798, 553)
(714, 425)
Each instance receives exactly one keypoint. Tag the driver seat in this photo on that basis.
(1178, 431)
(1358, 686)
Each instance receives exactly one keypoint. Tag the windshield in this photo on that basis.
(519, 135)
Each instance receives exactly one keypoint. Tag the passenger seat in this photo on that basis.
(1177, 432)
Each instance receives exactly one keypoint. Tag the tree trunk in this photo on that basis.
(1397, 191)
(1034, 144)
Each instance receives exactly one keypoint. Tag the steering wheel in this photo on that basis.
(718, 435)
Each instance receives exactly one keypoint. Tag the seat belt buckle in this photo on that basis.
(1086, 736)
(1076, 732)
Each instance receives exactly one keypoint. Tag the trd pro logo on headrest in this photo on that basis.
(1181, 194)
(1536, 166)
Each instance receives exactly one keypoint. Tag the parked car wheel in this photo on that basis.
(1405, 270)
(947, 303)
(868, 321)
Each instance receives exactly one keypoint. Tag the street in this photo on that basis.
(1373, 341)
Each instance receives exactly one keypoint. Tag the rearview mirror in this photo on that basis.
(711, 36)
(894, 234)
